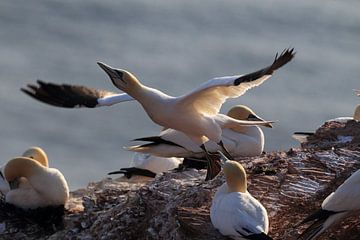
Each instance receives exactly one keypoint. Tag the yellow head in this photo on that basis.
(242, 112)
(37, 154)
(235, 176)
(21, 167)
(122, 79)
(357, 113)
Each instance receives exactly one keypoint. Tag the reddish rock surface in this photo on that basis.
(176, 205)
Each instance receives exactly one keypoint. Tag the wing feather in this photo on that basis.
(209, 97)
(71, 96)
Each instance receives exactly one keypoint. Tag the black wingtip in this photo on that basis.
(280, 60)
(304, 133)
(129, 172)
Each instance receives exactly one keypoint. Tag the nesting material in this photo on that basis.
(174, 205)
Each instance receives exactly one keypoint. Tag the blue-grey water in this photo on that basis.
(174, 46)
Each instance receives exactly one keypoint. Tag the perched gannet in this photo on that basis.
(149, 165)
(336, 206)
(234, 212)
(197, 113)
(32, 183)
(302, 136)
(239, 141)
(35, 153)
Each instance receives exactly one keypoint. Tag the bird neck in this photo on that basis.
(22, 167)
(237, 183)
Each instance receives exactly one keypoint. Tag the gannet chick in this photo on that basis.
(32, 183)
(196, 114)
(335, 207)
(234, 212)
(302, 136)
(148, 165)
(241, 141)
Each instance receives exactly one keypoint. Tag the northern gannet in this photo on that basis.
(240, 141)
(149, 165)
(197, 113)
(336, 206)
(35, 153)
(234, 211)
(302, 136)
(32, 183)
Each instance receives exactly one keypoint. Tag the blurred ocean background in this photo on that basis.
(173, 46)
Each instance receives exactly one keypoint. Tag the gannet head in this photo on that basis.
(37, 154)
(357, 113)
(21, 167)
(122, 79)
(242, 112)
(235, 176)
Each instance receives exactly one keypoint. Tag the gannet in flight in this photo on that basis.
(335, 207)
(234, 211)
(241, 141)
(197, 113)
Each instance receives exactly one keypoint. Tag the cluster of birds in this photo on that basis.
(194, 133)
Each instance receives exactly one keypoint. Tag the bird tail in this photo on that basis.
(129, 172)
(320, 217)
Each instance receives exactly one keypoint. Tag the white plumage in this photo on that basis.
(196, 114)
(336, 206)
(240, 141)
(32, 183)
(155, 164)
(234, 212)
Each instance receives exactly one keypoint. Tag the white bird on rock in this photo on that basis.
(234, 211)
(339, 204)
(196, 114)
(241, 141)
(32, 184)
(148, 165)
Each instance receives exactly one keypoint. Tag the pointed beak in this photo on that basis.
(111, 72)
(253, 117)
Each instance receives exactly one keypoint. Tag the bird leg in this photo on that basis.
(213, 166)
(226, 153)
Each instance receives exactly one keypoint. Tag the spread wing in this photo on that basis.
(209, 97)
(71, 96)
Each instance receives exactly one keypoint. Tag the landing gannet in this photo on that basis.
(234, 212)
(149, 165)
(239, 141)
(336, 206)
(302, 136)
(197, 113)
(32, 183)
